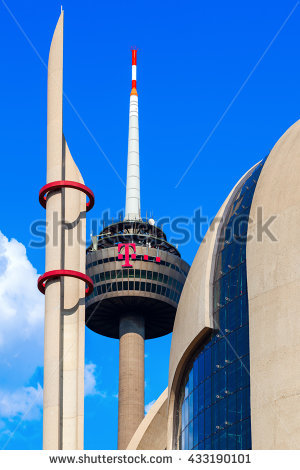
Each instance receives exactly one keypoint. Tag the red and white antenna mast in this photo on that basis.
(133, 208)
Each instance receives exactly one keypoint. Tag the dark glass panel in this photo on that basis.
(201, 397)
(207, 393)
(201, 427)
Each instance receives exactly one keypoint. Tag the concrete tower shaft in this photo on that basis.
(131, 377)
(133, 208)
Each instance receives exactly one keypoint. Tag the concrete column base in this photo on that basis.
(131, 377)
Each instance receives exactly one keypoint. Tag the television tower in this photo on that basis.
(138, 278)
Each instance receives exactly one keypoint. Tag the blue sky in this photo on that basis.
(220, 77)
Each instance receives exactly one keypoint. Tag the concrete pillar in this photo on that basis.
(131, 377)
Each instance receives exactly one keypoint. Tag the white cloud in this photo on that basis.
(90, 381)
(148, 406)
(22, 305)
(25, 402)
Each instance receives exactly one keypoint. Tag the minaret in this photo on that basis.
(133, 208)
(63, 283)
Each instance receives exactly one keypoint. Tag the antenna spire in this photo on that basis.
(133, 209)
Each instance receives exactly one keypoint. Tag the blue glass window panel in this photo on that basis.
(223, 440)
(244, 310)
(231, 409)
(207, 444)
(222, 320)
(231, 347)
(201, 367)
(190, 405)
(216, 296)
(196, 373)
(195, 432)
(221, 353)
(226, 258)
(239, 404)
(201, 397)
(186, 439)
(242, 279)
(207, 367)
(220, 291)
(190, 435)
(195, 402)
(221, 383)
(231, 375)
(207, 421)
(246, 434)
(233, 317)
(215, 442)
(190, 382)
(245, 372)
(214, 357)
(214, 388)
(240, 224)
(239, 443)
(248, 197)
(221, 417)
(233, 284)
(207, 392)
(218, 272)
(201, 445)
(231, 437)
(243, 253)
(183, 415)
(242, 345)
(201, 427)
(214, 418)
(245, 403)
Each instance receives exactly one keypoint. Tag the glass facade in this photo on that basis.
(214, 399)
(137, 279)
(151, 259)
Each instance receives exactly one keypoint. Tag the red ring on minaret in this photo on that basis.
(55, 185)
(65, 272)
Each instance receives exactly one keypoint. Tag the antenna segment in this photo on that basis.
(133, 208)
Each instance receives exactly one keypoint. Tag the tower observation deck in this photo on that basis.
(138, 278)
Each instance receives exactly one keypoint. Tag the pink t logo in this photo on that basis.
(127, 253)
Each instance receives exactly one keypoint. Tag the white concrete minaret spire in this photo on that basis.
(133, 207)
